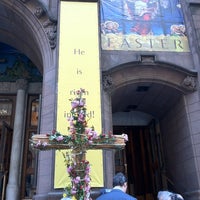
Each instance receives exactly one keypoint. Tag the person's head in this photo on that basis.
(166, 195)
(120, 180)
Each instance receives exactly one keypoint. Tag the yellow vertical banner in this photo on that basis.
(79, 68)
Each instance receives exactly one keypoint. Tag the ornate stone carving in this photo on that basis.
(48, 22)
(107, 82)
(50, 25)
(46, 18)
(39, 11)
(189, 83)
(51, 34)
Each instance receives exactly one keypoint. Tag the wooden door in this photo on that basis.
(141, 162)
(7, 108)
(29, 168)
(6, 134)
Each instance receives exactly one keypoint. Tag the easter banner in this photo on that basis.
(143, 25)
(79, 68)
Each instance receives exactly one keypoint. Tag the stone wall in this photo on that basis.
(180, 156)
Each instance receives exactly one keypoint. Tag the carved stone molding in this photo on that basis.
(48, 22)
(107, 82)
(5, 87)
(22, 84)
(24, 1)
(51, 31)
(189, 83)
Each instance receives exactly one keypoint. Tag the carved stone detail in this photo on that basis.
(107, 82)
(39, 11)
(48, 22)
(51, 34)
(189, 83)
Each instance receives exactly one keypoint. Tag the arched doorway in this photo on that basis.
(138, 115)
(22, 28)
(15, 66)
(147, 108)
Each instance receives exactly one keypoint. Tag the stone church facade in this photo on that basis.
(153, 96)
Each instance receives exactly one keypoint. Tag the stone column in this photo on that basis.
(109, 166)
(13, 186)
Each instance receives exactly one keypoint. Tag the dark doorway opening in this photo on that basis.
(141, 160)
(7, 108)
(6, 134)
(29, 181)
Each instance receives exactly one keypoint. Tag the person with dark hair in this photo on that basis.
(119, 189)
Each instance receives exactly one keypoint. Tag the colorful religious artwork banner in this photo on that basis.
(143, 25)
(79, 68)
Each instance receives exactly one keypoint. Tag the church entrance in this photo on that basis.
(141, 160)
(5, 152)
(29, 166)
(29, 157)
(141, 111)
(7, 106)
(20, 67)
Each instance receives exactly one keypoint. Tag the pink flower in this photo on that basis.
(38, 143)
(59, 138)
(77, 179)
(87, 188)
(125, 136)
(72, 130)
(91, 133)
(87, 169)
(73, 191)
(69, 169)
(90, 142)
(44, 144)
(81, 117)
(70, 121)
(82, 102)
(74, 103)
(77, 102)
(87, 179)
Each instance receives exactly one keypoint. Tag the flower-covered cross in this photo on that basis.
(79, 139)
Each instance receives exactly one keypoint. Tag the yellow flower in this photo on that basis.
(64, 195)
(73, 198)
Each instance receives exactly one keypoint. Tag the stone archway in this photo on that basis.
(158, 89)
(28, 27)
(176, 77)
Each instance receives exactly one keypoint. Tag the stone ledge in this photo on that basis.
(194, 2)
